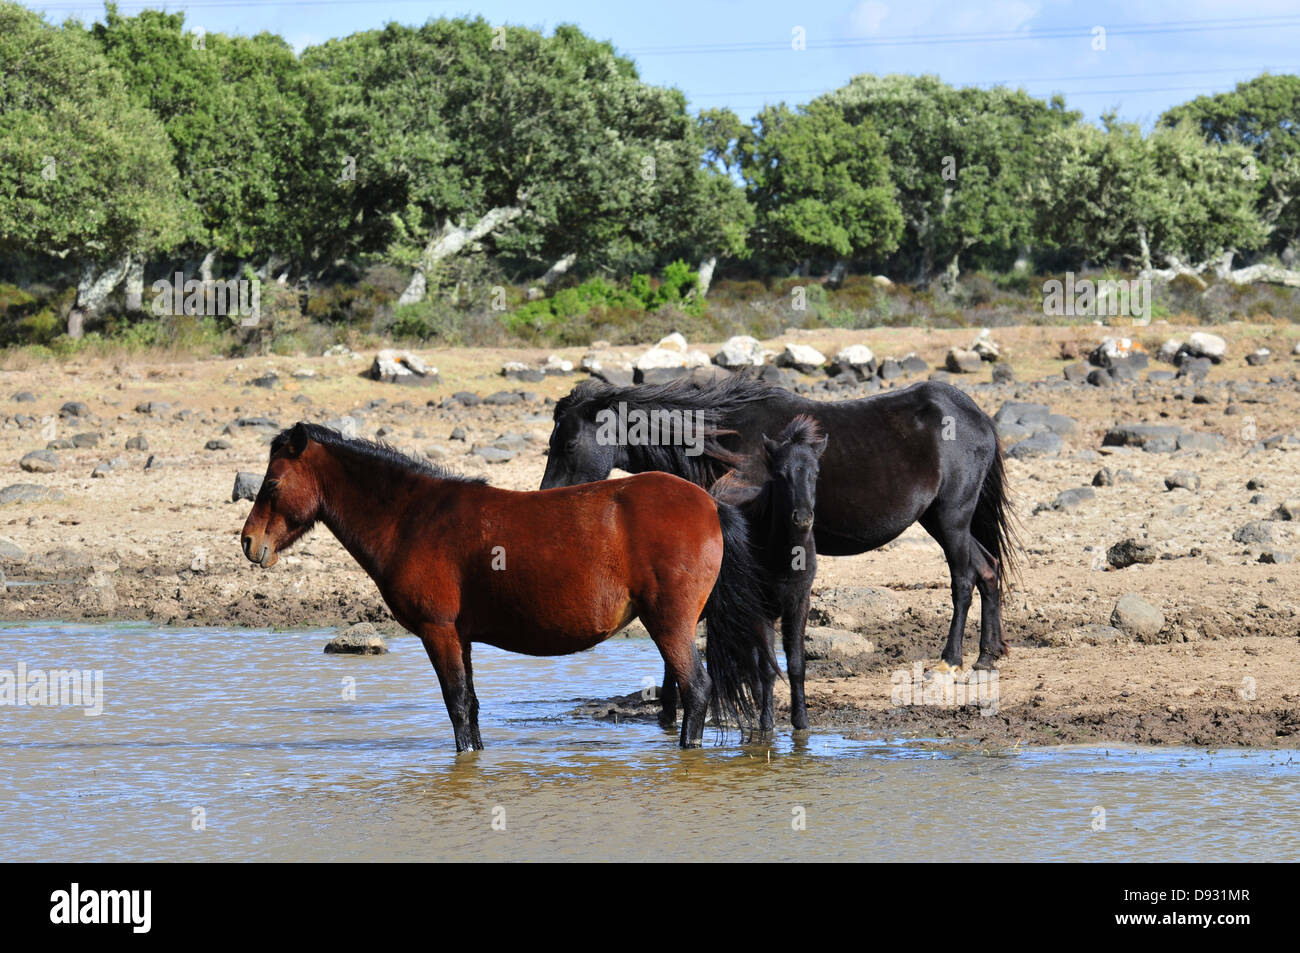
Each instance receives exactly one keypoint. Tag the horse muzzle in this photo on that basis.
(263, 555)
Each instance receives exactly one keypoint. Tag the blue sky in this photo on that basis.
(738, 53)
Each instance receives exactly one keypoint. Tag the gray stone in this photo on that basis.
(1183, 479)
(1103, 477)
(960, 361)
(492, 454)
(29, 493)
(1136, 616)
(1139, 435)
(1040, 444)
(1077, 373)
(217, 445)
(1128, 552)
(1275, 557)
(1193, 440)
(137, 443)
(74, 408)
(361, 639)
(246, 486)
(40, 461)
(1254, 532)
(1287, 511)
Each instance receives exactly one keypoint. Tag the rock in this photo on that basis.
(985, 346)
(1020, 412)
(30, 493)
(673, 342)
(1116, 352)
(1195, 368)
(267, 381)
(960, 361)
(1274, 557)
(303, 373)
(554, 364)
(11, 551)
(1004, 374)
(458, 433)
(853, 651)
(1157, 377)
(615, 377)
(361, 639)
(856, 359)
(24, 397)
(503, 398)
(1100, 377)
(1077, 373)
(1067, 499)
(516, 370)
(1128, 552)
(137, 443)
(152, 407)
(1256, 483)
(1040, 444)
(1258, 357)
(1103, 477)
(1168, 352)
(40, 461)
(889, 370)
(912, 364)
(1203, 344)
(740, 351)
(802, 358)
(74, 408)
(1140, 435)
(1061, 424)
(246, 486)
(401, 367)
(1254, 532)
(264, 422)
(1184, 479)
(1135, 616)
(1287, 511)
(85, 441)
(491, 454)
(880, 281)
(1191, 440)
(217, 445)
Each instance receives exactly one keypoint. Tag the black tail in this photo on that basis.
(737, 653)
(993, 524)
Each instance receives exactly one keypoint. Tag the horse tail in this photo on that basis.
(737, 653)
(993, 522)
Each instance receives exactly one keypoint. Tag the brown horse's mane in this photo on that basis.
(375, 452)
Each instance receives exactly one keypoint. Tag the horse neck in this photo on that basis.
(363, 499)
(774, 531)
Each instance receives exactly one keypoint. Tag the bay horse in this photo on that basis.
(541, 573)
(924, 453)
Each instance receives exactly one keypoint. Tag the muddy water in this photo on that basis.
(226, 746)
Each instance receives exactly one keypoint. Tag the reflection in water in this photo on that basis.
(248, 737)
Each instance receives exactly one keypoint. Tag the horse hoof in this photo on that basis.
(943, 668)
(986, 664)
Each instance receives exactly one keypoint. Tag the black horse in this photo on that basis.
(925, 453)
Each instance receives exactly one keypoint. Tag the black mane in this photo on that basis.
(713, 400)
(376, 451)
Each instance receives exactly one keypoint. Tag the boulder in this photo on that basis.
(802, 358)
(961, 361)
(1129, 552)
(401, 367)
(246, 486)
(40, 461)
(361, 639)
(985, 346)
(1137, 617)
(740, 351)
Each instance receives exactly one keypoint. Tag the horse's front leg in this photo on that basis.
(766, 692)
(451, 661)
(794, 622)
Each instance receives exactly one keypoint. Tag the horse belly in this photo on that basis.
(558, 625)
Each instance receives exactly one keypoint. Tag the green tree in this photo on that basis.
(1263, 115)
(85, 173)
(820, 185)
(961, 160)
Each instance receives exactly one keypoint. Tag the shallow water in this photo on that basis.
(216, 745)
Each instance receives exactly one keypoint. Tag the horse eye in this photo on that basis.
(272, 485)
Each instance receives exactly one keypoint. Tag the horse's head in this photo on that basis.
(793, 463)
(289, 502)
(578, 454)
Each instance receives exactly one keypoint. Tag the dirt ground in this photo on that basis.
(161, 544)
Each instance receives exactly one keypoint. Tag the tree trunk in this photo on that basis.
(837, 273)
(451, 241)
(135, 285)
(1022, 261)
(205, 266)
(93, 289)
(705, 273)
(1145, 247)
(559, 268)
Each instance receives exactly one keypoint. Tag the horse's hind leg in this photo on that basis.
(683, 667)
(451, 661)
(956, 540)
(985, 568)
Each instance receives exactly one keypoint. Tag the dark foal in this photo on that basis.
(779, 511)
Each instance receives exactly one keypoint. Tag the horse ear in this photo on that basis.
(818, 446)
(770, 446)
(298, 438)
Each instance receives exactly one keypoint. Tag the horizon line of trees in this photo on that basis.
(134, 143)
